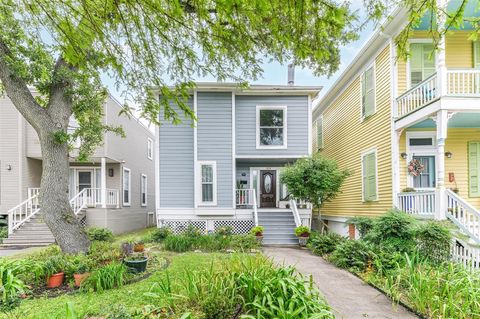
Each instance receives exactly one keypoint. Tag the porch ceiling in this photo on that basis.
(265, 161)
(459, 120)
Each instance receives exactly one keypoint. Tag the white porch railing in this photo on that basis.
(464, 215)
(112, 198)
(32, 191)
(296, 215)
(22, 213)
(417, 97)
(463, 82)
(420, 204)
(245, 198)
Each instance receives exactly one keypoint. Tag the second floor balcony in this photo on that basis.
(463, 83)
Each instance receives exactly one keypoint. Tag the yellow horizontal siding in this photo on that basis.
(346, 137)
(459, 54)
(457, 143)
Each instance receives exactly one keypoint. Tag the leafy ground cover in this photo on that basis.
(209, 284)
(409, 260)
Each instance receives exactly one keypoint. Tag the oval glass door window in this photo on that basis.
(267, 183)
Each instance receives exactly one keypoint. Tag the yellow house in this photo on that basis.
(409, 131)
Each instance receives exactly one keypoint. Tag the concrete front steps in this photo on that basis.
(279, 226)
(33, 233)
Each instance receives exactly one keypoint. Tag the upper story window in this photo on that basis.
(150, 148)
(143, 190)
(127, 185)
(422, 62)
(271, 127)
(368, 92)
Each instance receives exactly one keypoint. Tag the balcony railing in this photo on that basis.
(459, 82)
(420, 204)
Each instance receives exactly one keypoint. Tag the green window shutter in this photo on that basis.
(368, 92)
(474, 168)
(320, 133)
(369, 177)
(476, 54)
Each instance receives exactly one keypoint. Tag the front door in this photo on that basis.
(268, 190)
(85, 181)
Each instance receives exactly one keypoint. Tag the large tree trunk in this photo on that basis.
(54, 201)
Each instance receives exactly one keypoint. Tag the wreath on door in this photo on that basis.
(415, 168)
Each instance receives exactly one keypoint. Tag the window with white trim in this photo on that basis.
(422, 62)
(369, 176)
(271, 127)
(143, 190)
(368, 92)
(208, 183)
(127, 186)
(150, 148)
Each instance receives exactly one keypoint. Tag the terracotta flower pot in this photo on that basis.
(138, 248)
(79, 278)
(302, 240)
(55, 280)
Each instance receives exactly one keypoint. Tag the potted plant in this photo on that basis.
(127, 247)
(258, 232)
(139, 246)
(79, 269)
(302, 232)
(136, 263)
(53, 269)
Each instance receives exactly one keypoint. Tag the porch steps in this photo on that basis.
(33, 233)
(279, 227)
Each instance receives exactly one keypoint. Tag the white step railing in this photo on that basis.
(464, 215)
(79, 201)
(21, 213)
(421, 203)
(466, 254)
(417, 97)
(463, 82)
(246, 198)
(296, 215)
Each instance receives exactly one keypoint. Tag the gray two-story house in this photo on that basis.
(114, 189)
(224, 169)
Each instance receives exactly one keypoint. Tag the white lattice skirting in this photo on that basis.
(239, 226)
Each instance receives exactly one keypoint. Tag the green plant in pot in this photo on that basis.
(53, 268)
(258, 232)
(79, 268)
(303, 233)
(136, 263)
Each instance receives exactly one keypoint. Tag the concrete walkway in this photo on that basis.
(348, 295)
(6, 252)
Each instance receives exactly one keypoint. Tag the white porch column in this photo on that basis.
(103, 182)
(442, 126)
(440, 54)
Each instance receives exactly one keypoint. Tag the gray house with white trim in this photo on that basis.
(114, 189)
(224, 169)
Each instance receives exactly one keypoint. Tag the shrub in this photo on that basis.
(211, 242)
(53, 265)
(99, 234)
(322, 244)
(393, 231)
(434, 241)
(102, 253)
(108, 277)
(179, 243)
(224, 231)
(3, 233)
(78, 264)
(243, 242)
(160, 234)
(11, 282)
(363, 224)
(353, 255)
(302, 231)
(257, 230)
(192, 231)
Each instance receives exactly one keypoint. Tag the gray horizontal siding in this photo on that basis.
(214, 139)
(297, 124)
(176, 163)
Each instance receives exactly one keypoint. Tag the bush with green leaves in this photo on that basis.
(354, 255)
(53, 265)
(12, 283)
(434, 241)
(243, 242)
(107, 277)
(102, 253)
(3, 233)
(179, 243)
(257, 230)
(302, 231)
(315, 179)
(160, 234)
(326, 243)
(99, 234)
(393, 231)
(224, 231)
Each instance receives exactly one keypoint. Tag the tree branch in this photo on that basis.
(59, 105)
(19, 93)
